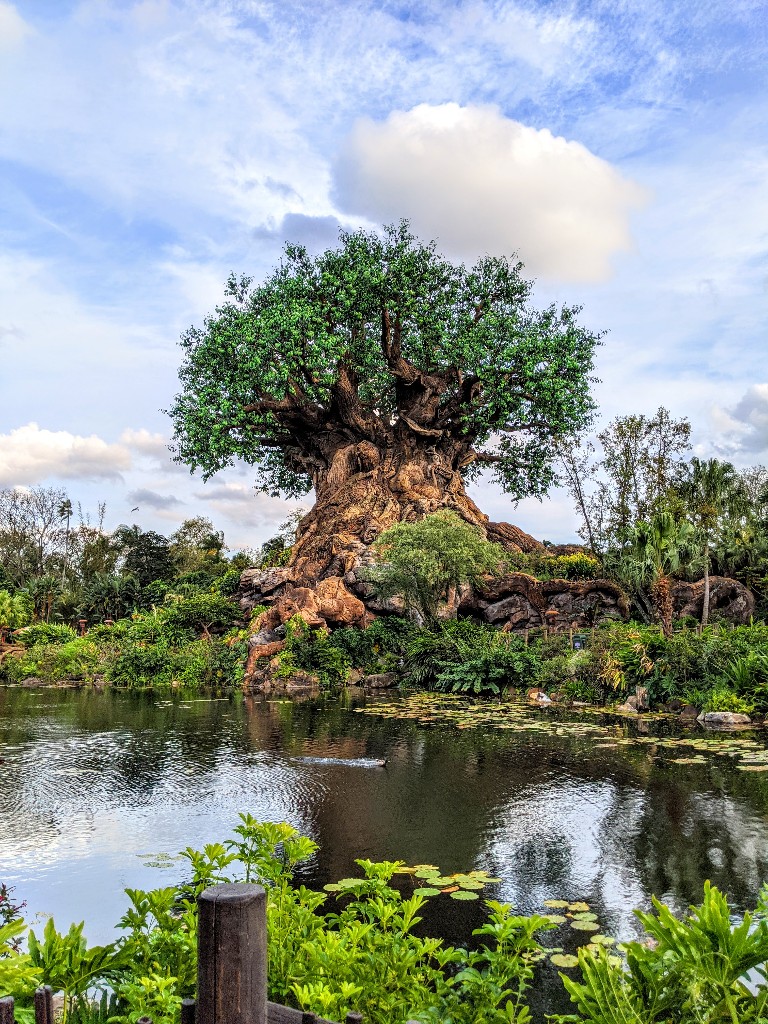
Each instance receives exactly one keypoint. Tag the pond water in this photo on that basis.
(95, 786)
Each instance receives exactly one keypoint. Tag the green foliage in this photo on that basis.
(15, 610)
(310, 650)
(378, 647)
(342, 335)
(577, 566)
(721, 698)
(462, 656)
(422, 561)
(365, 952)
(693, 974)
(200, 613)
(46, 633)
(64, 961)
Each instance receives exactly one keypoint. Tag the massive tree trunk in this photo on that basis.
(366, 490)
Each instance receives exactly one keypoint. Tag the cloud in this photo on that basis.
(144, 442)
(13, 28)
(482, 183)
(30, 454)
(745, 426)
(143, 496)
(316, 233)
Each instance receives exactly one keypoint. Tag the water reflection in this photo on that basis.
(91, 782)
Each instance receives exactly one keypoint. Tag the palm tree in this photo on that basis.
(656, 549)
(65, 512)
(711, 490)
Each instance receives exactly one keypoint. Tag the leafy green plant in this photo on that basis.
(66, 963)
(309, 650)
(721, 698)
(692, 973)
(46, 633)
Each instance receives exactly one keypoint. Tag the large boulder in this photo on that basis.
(728, 599)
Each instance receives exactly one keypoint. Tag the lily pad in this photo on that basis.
(585, 926)
(585, 915)
(603, 940)
(578, 907)
(556, 918)
(462, 894)
(556, 904)
(426, 891)
(564, 960)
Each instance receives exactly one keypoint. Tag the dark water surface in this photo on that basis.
(93, 786)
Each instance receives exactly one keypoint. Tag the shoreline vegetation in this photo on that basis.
(357, 946)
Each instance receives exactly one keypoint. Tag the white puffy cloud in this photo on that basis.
(30, 454)
(482, 183)
(13, 28)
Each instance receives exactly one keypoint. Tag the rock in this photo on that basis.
(724, 719)
(629, 707)
(337, 605)
(689, 713)
(518, 601)
(261, 586)
(727, 599)
(380, 681)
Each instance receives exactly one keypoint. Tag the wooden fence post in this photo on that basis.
(232, 955)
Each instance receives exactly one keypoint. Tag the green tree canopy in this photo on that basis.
(422, 561)
(383, 341)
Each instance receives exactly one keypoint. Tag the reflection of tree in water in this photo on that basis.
(678, 836)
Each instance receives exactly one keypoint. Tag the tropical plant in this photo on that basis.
(711, 489)
(654, 551)
(693, 972)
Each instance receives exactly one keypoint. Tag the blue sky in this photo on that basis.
(149, 148)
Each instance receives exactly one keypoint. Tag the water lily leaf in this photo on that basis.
(425, 872)
(556, 904)
(450, 888)
(462, 894)
(564, 960)
(556, 918)
(332, 887)
(585, 915)
(579, 906)
(471, 884)
(585, 926)
(603, 940)
(427, 891)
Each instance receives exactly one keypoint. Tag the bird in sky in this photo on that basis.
(135, 509)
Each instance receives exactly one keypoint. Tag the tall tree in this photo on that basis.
(146, 555)
(629, 480)
(383, 376)
(711, 490)
(31, 536)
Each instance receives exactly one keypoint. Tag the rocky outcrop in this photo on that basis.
(728, 599)
(518, 601)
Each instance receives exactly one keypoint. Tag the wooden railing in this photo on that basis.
(231, 967)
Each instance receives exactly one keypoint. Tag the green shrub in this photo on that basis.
(379, 646)
(200, 613)
(309, 650)
(464, 656)
(46, 633)
(720, 698)
(578, 566)
(140, 663)
(693, 971)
